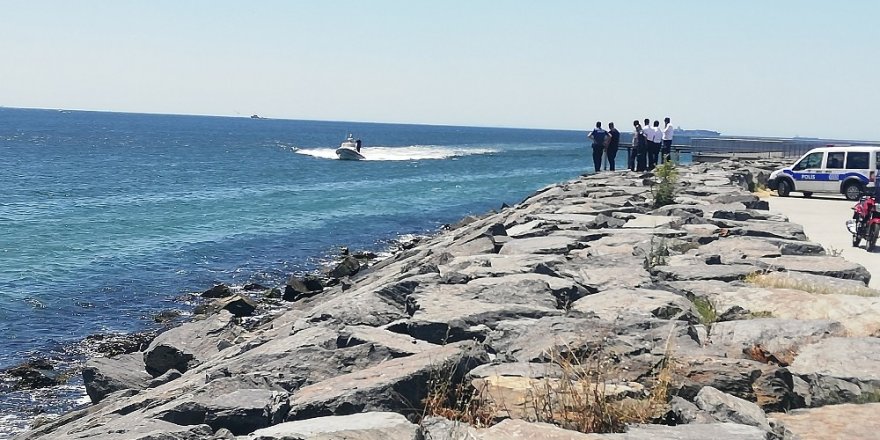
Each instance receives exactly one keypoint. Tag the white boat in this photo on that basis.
(349, 149)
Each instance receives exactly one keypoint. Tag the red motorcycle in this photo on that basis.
(865, 223)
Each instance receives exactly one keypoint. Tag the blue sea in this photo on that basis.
(108, 218)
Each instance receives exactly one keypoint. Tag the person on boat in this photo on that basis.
(357, 145)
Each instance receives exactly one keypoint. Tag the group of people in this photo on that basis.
(650, 145)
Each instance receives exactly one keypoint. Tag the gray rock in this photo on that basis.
(134, 428)
(770, 386)
(390, 386)
(761, 228)
(365, 426)
(714, 431)
(190, 344)
(345, 268)
(103, 376)
(550, 244)
(438, 428)
(846, 421)
(777, 339)
(611, 304)
(840, 370)
(444, 313)
(165, 378)
(684, 412)
(702, 272)
(836, 267)
(738, 249)
(727, 408)
(513, 429)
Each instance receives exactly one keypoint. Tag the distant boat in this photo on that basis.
(257, 117)
(349, 149)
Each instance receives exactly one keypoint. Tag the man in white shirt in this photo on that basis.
(649, 143)
(668, 131)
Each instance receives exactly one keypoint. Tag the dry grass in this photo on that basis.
(582, 396)
(776, 281)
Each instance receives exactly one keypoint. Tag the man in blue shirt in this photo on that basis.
(598, 138)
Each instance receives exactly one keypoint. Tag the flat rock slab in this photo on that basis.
(652, 221)
(611, 304)
(844, 422)
(390, 386)
(840, 370)
(364, 426)
(780, 338)
(857, 314)
(513, 429)
(701, 271)
(713, 431)
(810, 282)
(736, 249)
(482, 266)
(551, 244)
(762, 228)
(836, 267)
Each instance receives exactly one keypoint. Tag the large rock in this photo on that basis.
(840, 370)
(190, 344)
(771, 387)
(702, 272)
(836, 267)
(727, 408)
(241, 411)
(103, 376)
(364, 426)
(443, 313)
(390, 386)
(345, 268)
(848, 421)
(714, 431)
(857, 314)
(774, 339)
(611, 304)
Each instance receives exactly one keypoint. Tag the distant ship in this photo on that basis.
(257, 117)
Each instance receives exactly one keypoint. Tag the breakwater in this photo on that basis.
(705, 318)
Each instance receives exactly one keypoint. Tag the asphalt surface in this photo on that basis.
(824, 221)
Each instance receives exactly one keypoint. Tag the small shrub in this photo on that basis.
(706, 310)
(664, 191)
(657, 254)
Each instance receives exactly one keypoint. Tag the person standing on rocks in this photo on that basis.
(649, 143)
(668, 132)
(613, 145)
(598, 138)
(654, 153)
(640, 148)
(634, 146)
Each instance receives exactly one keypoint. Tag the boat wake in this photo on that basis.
(413, 152)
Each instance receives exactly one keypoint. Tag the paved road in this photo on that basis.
(824, 221)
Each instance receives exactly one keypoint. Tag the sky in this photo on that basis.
(759, 68)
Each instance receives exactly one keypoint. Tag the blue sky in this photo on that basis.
(775, 68)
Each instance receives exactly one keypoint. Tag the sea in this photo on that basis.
(107, 219)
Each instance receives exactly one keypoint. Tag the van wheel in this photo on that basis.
(808, 194)
(852, 191)
(784, 188)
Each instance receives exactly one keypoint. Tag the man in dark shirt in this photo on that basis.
(613, 145)
(598, 138)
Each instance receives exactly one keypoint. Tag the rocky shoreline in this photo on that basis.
(586, 307)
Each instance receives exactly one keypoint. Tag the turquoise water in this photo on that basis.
(106, 218)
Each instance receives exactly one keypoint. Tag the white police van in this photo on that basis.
(847, 170)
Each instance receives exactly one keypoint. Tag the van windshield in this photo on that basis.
(812, 160)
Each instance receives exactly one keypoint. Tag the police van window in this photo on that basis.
(858, 160)
(835, 160)
(812, 160)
